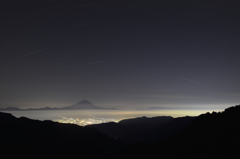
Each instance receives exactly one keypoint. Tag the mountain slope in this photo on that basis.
(143, 129)
(84, 104)
(22, 137)
(210, 135)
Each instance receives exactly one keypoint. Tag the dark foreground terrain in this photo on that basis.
(210, 135)
(26, 138)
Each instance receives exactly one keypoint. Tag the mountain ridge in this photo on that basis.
(209, 135)
(82, 105)
(24, 137)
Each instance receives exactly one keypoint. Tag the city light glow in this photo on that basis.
(86, 121)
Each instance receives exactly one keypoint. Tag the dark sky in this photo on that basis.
(125, 54)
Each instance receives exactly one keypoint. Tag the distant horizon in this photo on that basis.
(105, 115)
(154, 107)
(74, 116)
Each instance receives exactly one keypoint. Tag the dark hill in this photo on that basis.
(143, 129)
(211, 135)
(26, 138)
(128, 129)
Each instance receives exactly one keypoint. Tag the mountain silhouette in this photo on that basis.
(84, 104)
(213, 135)
(210, 135)
(10, 109)
(144, 129)
(27, 138)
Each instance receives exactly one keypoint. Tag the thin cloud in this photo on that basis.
(35, 52)
(168, 96)
(18, 43)
(191, 81)
(65, 57)
(153, 74)
(230, 94)
(97, 62)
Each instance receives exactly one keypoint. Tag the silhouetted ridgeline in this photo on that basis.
(143, 129)
(82, 105)
(210, 135)
(26, 138)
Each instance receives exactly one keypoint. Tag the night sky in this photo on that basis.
(178, 54)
